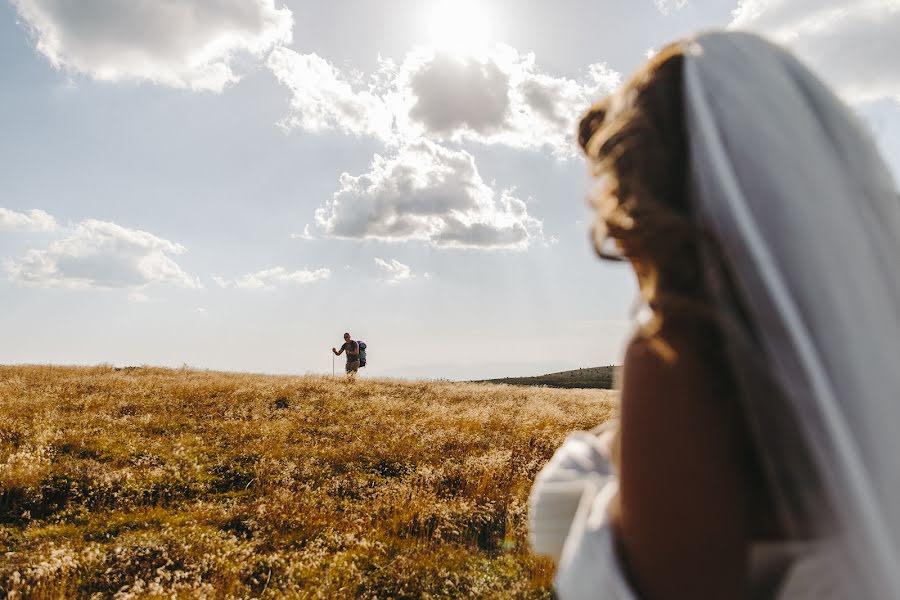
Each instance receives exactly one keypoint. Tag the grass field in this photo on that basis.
(180, 483)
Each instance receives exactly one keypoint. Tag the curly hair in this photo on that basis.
(636, 143)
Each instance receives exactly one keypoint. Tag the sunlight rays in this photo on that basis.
(460, 28)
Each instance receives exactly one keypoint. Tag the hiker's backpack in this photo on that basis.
(362, 354)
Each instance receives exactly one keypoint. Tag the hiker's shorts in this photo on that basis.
(352, 366)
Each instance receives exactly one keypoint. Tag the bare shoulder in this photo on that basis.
(694, 382)
(668, 375)
(682, 505)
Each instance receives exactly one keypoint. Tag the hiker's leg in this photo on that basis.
(352, 368)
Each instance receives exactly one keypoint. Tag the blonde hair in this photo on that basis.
(636, 143)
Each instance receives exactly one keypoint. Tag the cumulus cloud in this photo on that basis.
(452, 94)
(34, 220)
(421, 189)
(190, 44)
(306, 235)
(851, 43)
(269, 279)
(99, 254)
(668, 6)
(324, 98)
(499, 97)
(428, 192)
(393, 271)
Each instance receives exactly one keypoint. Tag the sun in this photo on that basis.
(459, 27)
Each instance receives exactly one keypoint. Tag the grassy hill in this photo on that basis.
(594, 377)
(151, 482)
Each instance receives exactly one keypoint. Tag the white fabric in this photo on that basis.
(808, 220)
(579, 464)
(567, 513)
(568, 521)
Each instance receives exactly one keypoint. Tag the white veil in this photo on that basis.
(807, 220)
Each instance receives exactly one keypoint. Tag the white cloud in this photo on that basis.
(422, 190)
(189, 44)
(33, 221)
(306, 235)
(499, 97)
(666, 7)
(851, 43)
(323, 98)
(269, 279)
(430, 193)
(99, 254)
(394, 271)
(452, 93)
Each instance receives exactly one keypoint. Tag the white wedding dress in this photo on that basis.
(568, 521)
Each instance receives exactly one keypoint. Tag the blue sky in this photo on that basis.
(234, 184)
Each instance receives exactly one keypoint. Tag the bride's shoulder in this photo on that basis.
(669, 357)
(680, 474)
(665, 378)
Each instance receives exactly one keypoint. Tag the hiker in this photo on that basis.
(352, 349)
(756, 455)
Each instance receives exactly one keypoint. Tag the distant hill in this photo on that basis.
(592, 377)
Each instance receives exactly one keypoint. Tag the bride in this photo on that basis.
(758, 453)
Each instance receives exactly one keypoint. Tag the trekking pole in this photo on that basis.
(332, 364)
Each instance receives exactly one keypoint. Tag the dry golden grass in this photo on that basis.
(181, 483)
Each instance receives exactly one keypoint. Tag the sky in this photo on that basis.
(232, 184)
